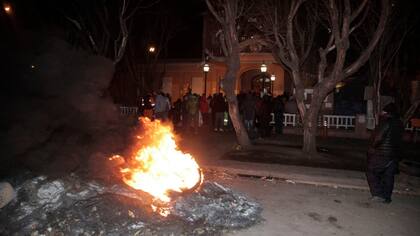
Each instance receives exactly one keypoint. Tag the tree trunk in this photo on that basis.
(310, 124)
(229, 88)
(241, 133)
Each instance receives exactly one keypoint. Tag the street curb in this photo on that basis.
(345, 182)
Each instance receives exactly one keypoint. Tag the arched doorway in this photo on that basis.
(255, 81)
(262, 84)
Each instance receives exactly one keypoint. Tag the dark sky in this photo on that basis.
(42, 16)
(188, 42)
(184, 17)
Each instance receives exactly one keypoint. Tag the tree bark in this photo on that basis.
(309, 132)
(229, 88)
(310, 124)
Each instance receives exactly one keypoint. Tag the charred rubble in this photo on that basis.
(71, 206)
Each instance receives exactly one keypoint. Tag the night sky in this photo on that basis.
(48, 16)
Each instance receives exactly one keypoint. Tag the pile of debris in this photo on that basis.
(71, 206)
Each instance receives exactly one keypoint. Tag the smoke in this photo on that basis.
(58, 113)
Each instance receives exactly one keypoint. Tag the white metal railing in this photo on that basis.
(408, 127)
(338, 121)
(289, 119)
(330, 121)
(125, 110)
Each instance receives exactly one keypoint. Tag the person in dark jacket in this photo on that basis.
(384, 154)
(278, 109)
(264, 116)
(176, 112)
(248, 111)
(218, 106)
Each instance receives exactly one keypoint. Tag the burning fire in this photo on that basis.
(158, 166)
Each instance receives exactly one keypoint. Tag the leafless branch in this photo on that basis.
(373, 42)
(358, 10)
(214, 12)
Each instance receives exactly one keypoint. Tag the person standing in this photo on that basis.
(218, 107)
(176, 112)
(265, 116)
(162, 106)
(248, 111)
(192, 109)
(278, 109)
(184, 113)
(384, 154)
(204, 109)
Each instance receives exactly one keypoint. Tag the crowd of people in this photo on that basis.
(193, 111)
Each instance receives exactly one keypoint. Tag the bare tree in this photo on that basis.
(384, 61)
(106, 32)
(227, 14)
(141, 64)
(291, 35)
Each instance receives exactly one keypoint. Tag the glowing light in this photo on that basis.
(340, 85)
(263, 68)
(152, 49)
(273, 77)
(7, 8)
(206, 67)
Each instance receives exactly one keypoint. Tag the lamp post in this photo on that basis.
(263, 69)
(206, 69)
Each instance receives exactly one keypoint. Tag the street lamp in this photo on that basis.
(206, 69)
(152, 49)
(263, 69)
(7, 8)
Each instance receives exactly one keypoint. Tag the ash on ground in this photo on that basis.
(71, 206)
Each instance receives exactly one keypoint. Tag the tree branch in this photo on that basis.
(214, 12)
(358, 10)
(374, 41)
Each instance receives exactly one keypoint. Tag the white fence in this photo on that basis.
(290, 119)
(330, 121)
(338, 121)
(408, 127)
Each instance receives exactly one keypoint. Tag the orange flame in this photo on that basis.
(158, 166)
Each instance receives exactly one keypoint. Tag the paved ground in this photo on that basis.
(302, 200)
(298, 209)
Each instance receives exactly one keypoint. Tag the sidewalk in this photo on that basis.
(404, 184)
